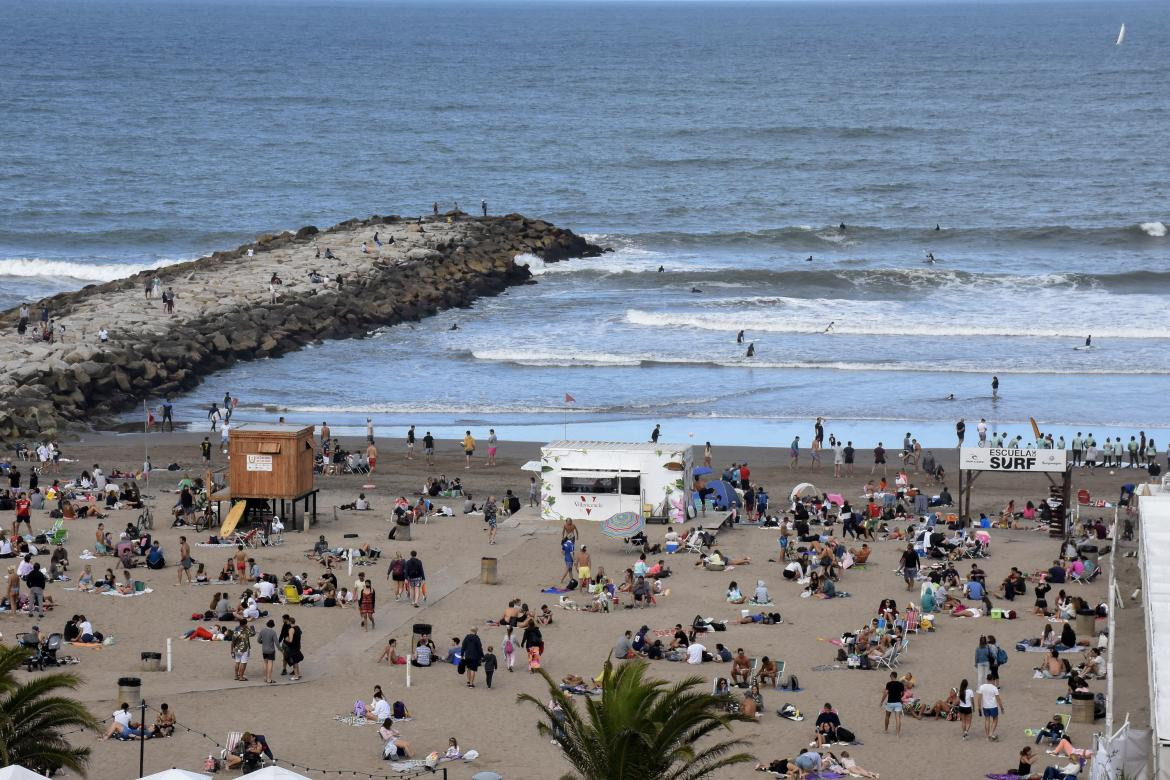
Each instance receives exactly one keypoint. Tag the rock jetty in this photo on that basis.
(227, 309)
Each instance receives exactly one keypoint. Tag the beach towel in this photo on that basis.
(94, 645)
(127, 595)
(354, 720)
(555, 589)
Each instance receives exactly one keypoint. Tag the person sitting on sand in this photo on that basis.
(85, 581)
(126, 587)
(1053, 666)
(359, 504)
(733, 594)
(390, 653)
(860, 555)
(853, 769)
(768, 671)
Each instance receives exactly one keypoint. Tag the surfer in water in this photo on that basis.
(937, 227)
(1089, 340)
(739, 337)
(751, 350)
(841, 227)
(454, 326)
(829, 329)
(950, 397)
(808, 259)
(930, 258)
(994, 387)
(696, 290)
(661, 269)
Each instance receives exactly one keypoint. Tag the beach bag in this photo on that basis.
(398, 710)
(841, 654)
(509, 648)
(793, 683)
(572, 584)
(845, 735)
(1001, 656)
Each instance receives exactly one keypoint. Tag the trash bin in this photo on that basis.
(1082, 707)
(1086, 624)
(130, 690)
(487, 571)
(151, 662)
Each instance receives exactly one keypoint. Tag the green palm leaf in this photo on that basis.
(641, 729)
(34, 717)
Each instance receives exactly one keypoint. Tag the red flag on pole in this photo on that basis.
(570, 399)
(149, 418)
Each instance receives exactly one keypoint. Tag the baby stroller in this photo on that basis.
(43, 654)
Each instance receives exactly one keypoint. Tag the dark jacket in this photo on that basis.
(472, 649)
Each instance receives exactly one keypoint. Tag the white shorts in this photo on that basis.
(241, 658)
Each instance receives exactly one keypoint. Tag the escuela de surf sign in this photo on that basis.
(1012, 460)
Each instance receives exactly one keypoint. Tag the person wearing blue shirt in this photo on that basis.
(567, 548)
(974, 590)
(154, 557)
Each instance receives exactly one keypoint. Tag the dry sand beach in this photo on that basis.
(298, 718)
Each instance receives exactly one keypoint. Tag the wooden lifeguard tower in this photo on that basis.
(271, 465)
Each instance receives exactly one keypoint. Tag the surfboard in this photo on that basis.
(1121, 36)
(673, 466)
(1035, 427)
(233, 519)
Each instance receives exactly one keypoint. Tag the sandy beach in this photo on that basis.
(298, 718)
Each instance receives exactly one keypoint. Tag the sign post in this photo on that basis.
(1008, 460)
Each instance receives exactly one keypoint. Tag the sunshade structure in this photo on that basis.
(701, 471)
(623, 525)
(16, 772)
(724, 495)
(803, 489)
(176, 774)
(275, 773)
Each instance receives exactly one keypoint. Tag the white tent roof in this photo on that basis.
(176, 774)
(1155, 540)
(275, 773)
(15, 772)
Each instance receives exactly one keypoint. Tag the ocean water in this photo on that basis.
(721, 142)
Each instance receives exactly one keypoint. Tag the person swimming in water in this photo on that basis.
(696, 290)
(739, 337)
(950, 397)
(930, 258)
(841, 227)
(751, 350)
(937, 227)
(454, 326)
(661, 269)
(808, 259)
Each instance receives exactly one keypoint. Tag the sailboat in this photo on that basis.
(1121, 35)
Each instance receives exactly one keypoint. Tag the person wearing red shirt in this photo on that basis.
(745, 476)
(23, 514)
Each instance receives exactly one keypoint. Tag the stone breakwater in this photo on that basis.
(227, 310)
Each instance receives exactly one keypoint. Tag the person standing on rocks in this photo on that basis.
(168, 410)
(22, 324)
(483, 205)
(169, 300)
(435, 208)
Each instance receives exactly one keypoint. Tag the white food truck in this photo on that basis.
(594, 480)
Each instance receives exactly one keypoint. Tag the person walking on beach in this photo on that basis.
(981, 429)
(960, 430)
(415, 576)
(267, 640)
(654, 434)
(990, 706)
(533, 492)
(891, 702)
(567, 547)
(490, 664)
(429, 448)
(410, 443)
(966, 697)
(294, 655)
(493, 442)
(982, 661)
(491, 517)
(707, 454)
(819, 432)
(794, 453)
(324, 434)
(468, 447)
(879, 459)
(509, 649)
(372, 456)
(205, 450)
(909, 565)
(471, 655)
(838, 458)
(584, 562)
(241, 647)
(369, 430)
(366, 605)
(185, 560)
(228, 405)
(850, 456)
(213, 415)
(994, 387)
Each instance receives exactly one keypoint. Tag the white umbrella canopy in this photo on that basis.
(803, 489)
(176, 774)
(16, 772)
(275, 773)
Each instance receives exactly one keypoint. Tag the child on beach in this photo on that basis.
(490, 664)
(509, 649)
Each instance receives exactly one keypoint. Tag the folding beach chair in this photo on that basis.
(248, 539)
(57, 534)
(911, 616)
(889, 659)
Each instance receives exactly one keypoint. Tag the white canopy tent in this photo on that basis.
(275, 773)
(1154, 509)
(16, 772)
(176, 774)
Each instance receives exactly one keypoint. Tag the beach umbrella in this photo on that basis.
(275, 773)
(724, 495)
(699, 471)
(623, 525)
(803, 489)
(16, 772)
(176, 774)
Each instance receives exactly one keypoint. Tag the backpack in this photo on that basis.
(793, 683)
(398, 567)
(399, 710)
(845, 735)
(1001, 656)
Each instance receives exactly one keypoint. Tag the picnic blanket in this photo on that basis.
(555, 589)
(127, 595)
(94, 645)
(354, 720)
(215, 546)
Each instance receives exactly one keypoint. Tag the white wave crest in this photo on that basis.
(1155, 229)
(889, 325)
(30, 267)
(574, 358)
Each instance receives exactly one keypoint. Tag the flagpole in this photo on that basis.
(145, 439)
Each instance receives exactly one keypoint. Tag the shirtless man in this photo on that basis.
(583, 564)
(185, 559)
(741, 668)
(569, 530)
(241, 561)
(372, 456)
